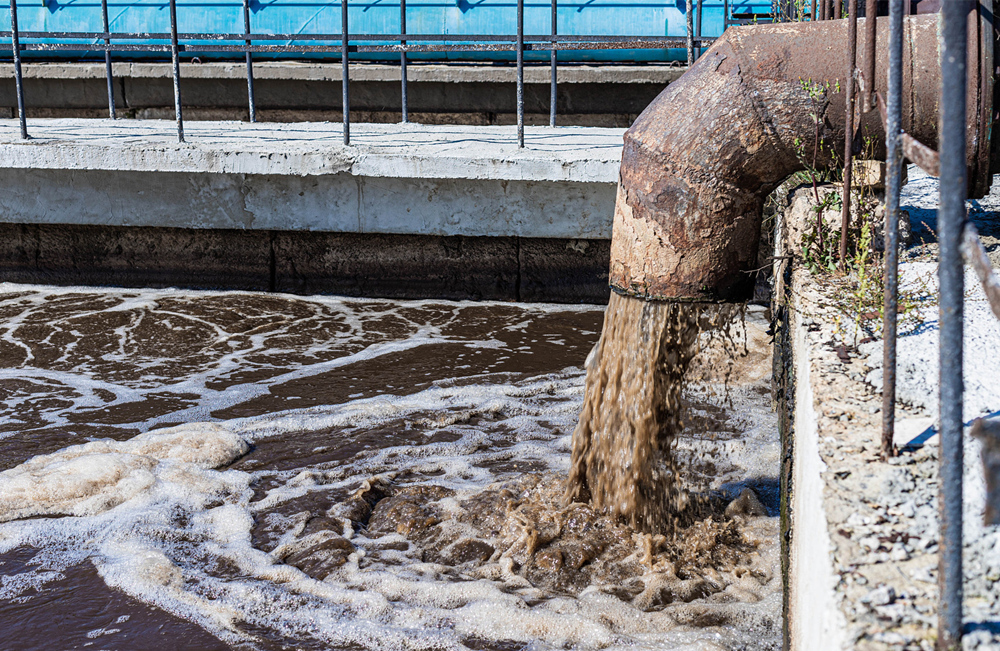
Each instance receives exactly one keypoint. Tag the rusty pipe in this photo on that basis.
(700, 160)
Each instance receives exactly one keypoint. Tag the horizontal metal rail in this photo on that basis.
(342, 45)
(408, 47)
(194, 36)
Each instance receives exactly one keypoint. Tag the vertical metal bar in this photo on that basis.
(552, 67)
(402, 62)
(107, 60)
(812, 12)
(894, 179)
(725, 15)
(176, 58)
(345, 73)
(247, 40)
(907, 8)
(837, 10)
(871, 22)
(697, 25)
(953, 185)
(689, 30)
(18, 80)
(520, 73)
(852, 63)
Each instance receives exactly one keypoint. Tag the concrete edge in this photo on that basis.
(247, 154)
(815, 620)
(360, 71)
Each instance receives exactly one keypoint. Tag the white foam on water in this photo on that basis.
(164, 519)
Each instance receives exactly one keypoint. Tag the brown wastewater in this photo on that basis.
(233, 470)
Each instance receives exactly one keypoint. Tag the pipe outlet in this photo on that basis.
(762, 103)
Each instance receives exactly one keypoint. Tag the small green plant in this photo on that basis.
(821, 242)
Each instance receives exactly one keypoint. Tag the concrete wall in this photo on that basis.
(340, 202)
(375, 265)
(483, 94)
(814, 618)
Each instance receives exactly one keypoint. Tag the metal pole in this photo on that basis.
(402, 61)
(107, 60)
(176, 57)
(837, 10)
(852, 61)
(697, 25)
(246, 30)
(894, 179)
(18, 80)
(520, 73)
(725, 15)
(689, 31)
(812, 13)
(871, 22)
(953, 185)
(345, 73)
(552, 66)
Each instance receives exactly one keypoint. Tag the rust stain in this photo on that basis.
(699, 161)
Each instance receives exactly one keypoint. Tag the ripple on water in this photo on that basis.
(400, 487)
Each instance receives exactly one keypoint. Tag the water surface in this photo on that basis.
(389, 480)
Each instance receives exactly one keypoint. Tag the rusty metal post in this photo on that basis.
(689, 30)
(402, 63)
(552, 66)
(987, 430)
(345, 77)
(812, 12)
(246, 32)
(852, 61)
(953, 185)
(837, 9)
(894, 179)
(520, 74)
(697, 25)
(107, 59)
(18, 80)
(175, 56)
(871, 25)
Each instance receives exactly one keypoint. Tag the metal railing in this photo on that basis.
(959, 244)
(344, 44)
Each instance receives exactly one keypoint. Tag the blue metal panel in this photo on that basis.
(580, 17)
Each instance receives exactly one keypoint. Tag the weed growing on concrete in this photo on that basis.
(861, 304)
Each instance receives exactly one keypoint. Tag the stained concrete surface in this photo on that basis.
(301, 262)
(454, 93)
(572, 154)
(405, 211)
(864, 534)
(398, 179)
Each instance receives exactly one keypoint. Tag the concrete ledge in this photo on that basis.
(360, 71)
(389, 266)
(289, 91)
(815, 620)
(575, 154)
(393, 179)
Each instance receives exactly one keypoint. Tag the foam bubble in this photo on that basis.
(188, 520)
(91, 478)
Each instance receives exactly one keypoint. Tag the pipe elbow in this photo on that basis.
(699, 162)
